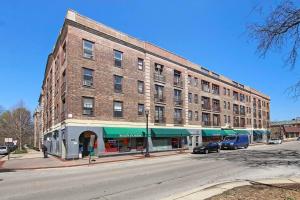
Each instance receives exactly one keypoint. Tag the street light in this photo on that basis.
(147, 142)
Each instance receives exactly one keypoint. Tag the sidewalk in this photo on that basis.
(207, 191)
(35, 160)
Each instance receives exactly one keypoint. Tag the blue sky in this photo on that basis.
(211, 33)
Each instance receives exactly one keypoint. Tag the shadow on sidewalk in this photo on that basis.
(258, 158)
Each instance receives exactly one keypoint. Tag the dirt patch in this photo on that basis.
(261, 192)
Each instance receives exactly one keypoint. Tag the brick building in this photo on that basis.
(287, 130)
(98, 83)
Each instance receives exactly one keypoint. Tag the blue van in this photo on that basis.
(235, 142)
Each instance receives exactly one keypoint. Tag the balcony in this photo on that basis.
(206, 123)
(178, 120)
(216, 108)
(160, 120)
(206, 107)
(159, 99)
(159, 78)
(178, 83)
(178, 102)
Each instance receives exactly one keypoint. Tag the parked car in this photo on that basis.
(210, 147)
(274, 141)
(4, 150)
(235, 142)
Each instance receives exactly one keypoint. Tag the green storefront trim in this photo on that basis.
(211, 132)
(259, 132)
(122, 132)
(169, 132)
(242, 132)
(226, 132)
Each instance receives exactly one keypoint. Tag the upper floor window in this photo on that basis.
(205, 86)
(159, 68)
(118, 109)
(88, 105)
(224, 91)
(88, 49)
(215, 89)
(235, 95)
(190, 96)
(87, 77)
(242, 97)
(64, 50)
(196, 98)
(228, 92)
(189, 79)
(118, 83)
(190, 115)
(141, 109)
(118, 56)
(140, 87)
(140, 64)
(196, 116)
(195, 82)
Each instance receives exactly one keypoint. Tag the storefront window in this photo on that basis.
(124, 144)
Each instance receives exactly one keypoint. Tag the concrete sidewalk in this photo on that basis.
(207, 191)
(35, 160)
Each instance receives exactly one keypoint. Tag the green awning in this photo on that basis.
(169, 132)
(211, 132)
(226, 132)
(242, 132)
(122, 132)
(258, 132)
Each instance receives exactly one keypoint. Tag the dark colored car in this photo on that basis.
(235, 142)
(210, 147)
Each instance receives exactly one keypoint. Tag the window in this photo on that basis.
(225, 104)
(229, 120)
(189, 79)
(224, 91)
(190, 97)
(196, 116)
(140, 64)
(177, 115)
(196, 98)
(141, 87)
(215, 89)
(159, 114)
(141, 109)
(225, 119)
(190, 115)
(88, 105)
(205, 86)
(87, 77)
(64, 53)
(195, 82)
(118, 83)
(228, 105)
(118, 109)
(235, 95)
(242, 97)
(88, 49)
(228, 92)
(118, 56)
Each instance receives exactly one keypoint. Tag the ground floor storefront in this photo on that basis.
(73, 142)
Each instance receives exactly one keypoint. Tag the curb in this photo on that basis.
(210, 190)
(2, 169)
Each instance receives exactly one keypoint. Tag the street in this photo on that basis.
(153, 178)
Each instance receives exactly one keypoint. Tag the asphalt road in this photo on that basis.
(153, 178)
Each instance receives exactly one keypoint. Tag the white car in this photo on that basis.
(274, 141)
(3, 150)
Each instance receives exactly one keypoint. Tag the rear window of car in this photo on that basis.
(2, 147)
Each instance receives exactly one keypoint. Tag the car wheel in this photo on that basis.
(206, 151)
(218, 150)
(235, 147)
(246, 146)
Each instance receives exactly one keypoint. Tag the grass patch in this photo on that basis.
(18, 151)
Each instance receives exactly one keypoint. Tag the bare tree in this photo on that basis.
(17, 123)
(280, 31)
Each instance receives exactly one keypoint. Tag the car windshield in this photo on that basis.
(229, 138)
